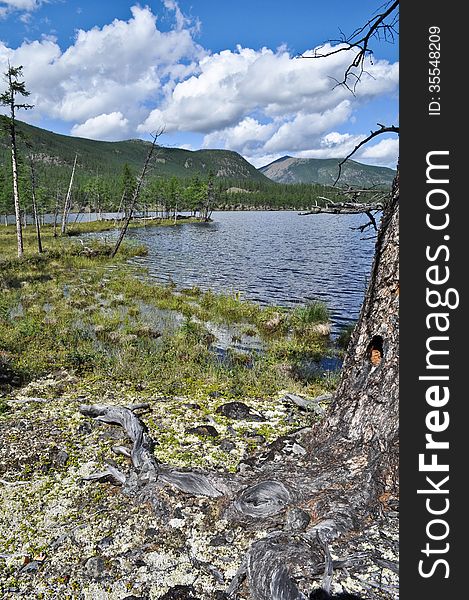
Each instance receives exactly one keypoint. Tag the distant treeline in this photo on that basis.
(111, 193)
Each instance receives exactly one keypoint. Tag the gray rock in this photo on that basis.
(61, 458)
(205, 430)
(218, 540)
(95, 567)
(105, 542)
(151, 532)
(227, 445)
(239, 411)
(180, 592)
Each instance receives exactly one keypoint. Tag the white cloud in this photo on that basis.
(231, 85)
(298, 133)
(8, 6)
(181, 20)
(267, 104)
(129, 76)
(336, 145)
(117, 68)
(111, 127)
(247, 134)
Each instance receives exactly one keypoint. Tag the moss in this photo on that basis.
(102, 321)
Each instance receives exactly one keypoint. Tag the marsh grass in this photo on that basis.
(312, 313)
(75, 229)
(74, 308)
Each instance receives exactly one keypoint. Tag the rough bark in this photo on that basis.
(14, 165)
(343, 470)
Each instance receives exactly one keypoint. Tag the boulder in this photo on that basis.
(239, 411)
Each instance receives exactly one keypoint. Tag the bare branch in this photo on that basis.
(370, 223)
(344, 208)
(136, 193)
(377, 27)
(373, 134)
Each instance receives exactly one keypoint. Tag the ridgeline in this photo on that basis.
(177, 180)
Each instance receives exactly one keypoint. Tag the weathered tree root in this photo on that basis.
(146, 467)
(268, 494)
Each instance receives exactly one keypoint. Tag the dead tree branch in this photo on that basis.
(344, 208)
(67, 203)
(382, 129)
(136, 193)
(383, 26)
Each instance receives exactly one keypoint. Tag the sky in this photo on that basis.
(208, 74)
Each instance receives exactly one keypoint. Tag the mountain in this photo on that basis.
(57, 152)
(324, 171)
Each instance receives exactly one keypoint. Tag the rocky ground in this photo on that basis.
(63, 536)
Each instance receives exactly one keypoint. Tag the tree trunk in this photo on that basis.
(56, 213)
(8, 99)
(135, 196)
(35, 211)
(16, 195)
(67, 198)
(366, 402)
(345, 471)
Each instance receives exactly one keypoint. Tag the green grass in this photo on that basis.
(310, 314)
(110, 225)
(67, 308)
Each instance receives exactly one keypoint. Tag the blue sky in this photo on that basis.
(212, 74)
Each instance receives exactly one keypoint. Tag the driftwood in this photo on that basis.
(344, 208)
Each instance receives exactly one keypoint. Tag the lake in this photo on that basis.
(271, 257)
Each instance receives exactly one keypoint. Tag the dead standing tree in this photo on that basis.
(68, 197)
(135, 194)
(34, 203)
(345, 473)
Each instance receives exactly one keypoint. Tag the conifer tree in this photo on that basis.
(15, 87)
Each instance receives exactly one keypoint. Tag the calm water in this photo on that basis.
(270, 257)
